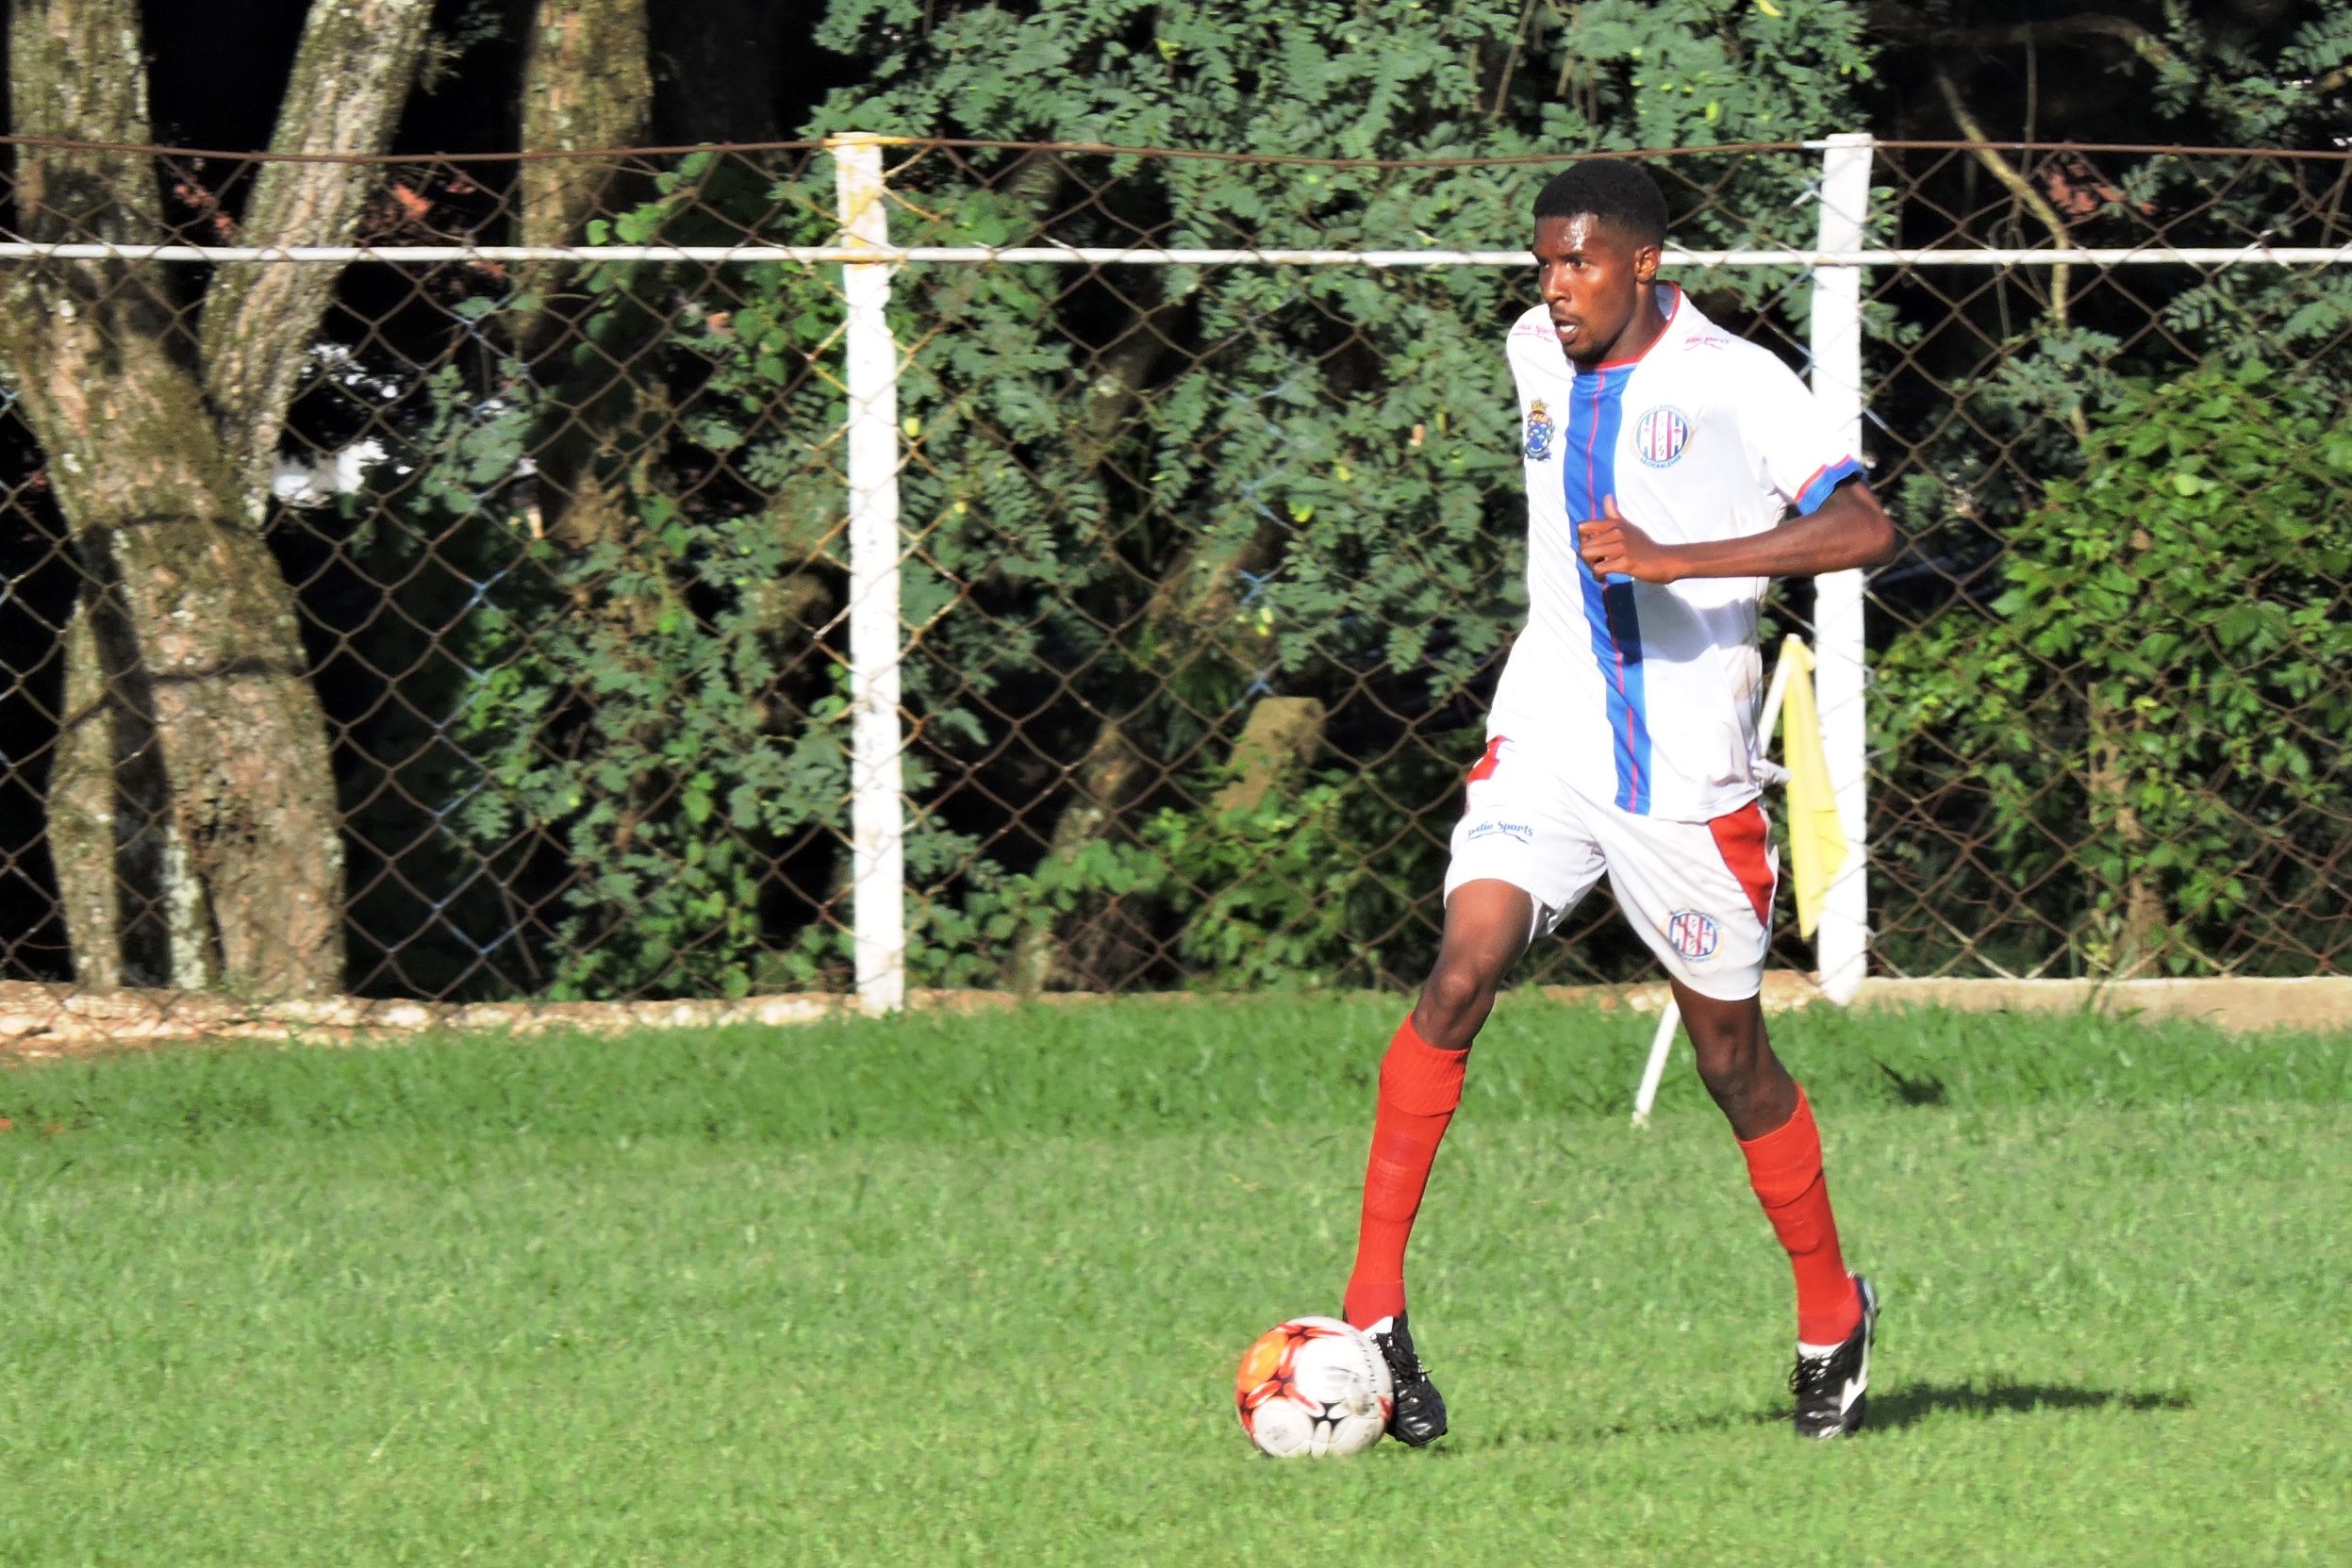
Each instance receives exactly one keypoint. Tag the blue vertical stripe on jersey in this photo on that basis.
(1589, 449)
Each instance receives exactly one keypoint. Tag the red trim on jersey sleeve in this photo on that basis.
(1816, 489)
(1492, 759)
(1744, 842)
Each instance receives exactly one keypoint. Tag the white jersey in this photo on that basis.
(1639, 694)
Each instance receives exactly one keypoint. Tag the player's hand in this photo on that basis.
(1611, 545)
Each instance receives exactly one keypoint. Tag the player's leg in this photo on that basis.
(1488, 924)
(1487, 928)
(1519, 864)
(1774, 1124)
(1700, 894)
(1735, 1061)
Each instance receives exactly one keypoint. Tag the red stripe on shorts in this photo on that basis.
(1746, 844)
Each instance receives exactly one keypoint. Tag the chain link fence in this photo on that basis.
(454, 601)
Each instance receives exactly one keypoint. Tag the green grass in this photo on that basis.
(969, 1291)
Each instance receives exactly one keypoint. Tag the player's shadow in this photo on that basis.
(1921, 1089)
(1897, 1408)
(1909, 1404)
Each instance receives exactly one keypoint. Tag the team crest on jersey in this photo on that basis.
(1540, 433)
(1660, 436)
(1694, 936)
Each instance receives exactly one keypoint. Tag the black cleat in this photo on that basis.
(1832, 1390)
(1417, 1418)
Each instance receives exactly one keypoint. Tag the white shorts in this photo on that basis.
(1699, 893)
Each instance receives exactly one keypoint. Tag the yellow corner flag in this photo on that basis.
(1817, 841)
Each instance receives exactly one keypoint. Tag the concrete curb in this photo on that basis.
(39, 1022)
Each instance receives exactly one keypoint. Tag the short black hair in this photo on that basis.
(1619, 193)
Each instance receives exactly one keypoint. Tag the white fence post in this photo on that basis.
(877, 797)
(1842, 945)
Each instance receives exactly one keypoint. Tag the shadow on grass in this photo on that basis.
(1909, 1404)
(1900, 1406)
(1925, 1089)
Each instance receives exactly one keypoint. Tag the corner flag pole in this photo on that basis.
(1662, 1042)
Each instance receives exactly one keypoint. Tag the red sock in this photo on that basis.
(1419, 1087)
(1784, 1167)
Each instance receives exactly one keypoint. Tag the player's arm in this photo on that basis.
(1849, 529)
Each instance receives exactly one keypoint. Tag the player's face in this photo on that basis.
(1592, 279)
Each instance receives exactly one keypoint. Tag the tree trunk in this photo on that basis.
(84, 813)
(194, 799)
(194, 626)
(1277, 745)
(133, 907)
(351, 77)
(1187, 616)
(1103, 782)
(1172, 629)
(585, 86)
(2139, 909)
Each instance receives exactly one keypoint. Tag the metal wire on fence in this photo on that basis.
(786, 570)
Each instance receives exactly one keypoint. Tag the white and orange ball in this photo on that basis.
(1312, 1388)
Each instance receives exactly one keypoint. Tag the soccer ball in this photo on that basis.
(1312, 1387)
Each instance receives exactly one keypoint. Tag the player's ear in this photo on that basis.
(1645, 259)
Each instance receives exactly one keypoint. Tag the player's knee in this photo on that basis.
(1728, 1057)
(1454, 1001)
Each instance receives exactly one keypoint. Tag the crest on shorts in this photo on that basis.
(1660, 436)
(1693, 935)
(1539, 432)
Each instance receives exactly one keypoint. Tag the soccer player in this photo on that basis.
(1671, 471)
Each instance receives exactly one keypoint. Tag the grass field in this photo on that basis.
(947, 1290)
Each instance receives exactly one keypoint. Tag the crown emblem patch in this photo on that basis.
(1539, 432)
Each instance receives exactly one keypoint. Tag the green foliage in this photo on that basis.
(1350, 78)
(1134, 501)
(2020, 866)
(1296, 480)
(434, 858)
(2163, 663)
(2251, 90)
(1299, 890)
(624, 726)
(1293, 892)
(1138, 499)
